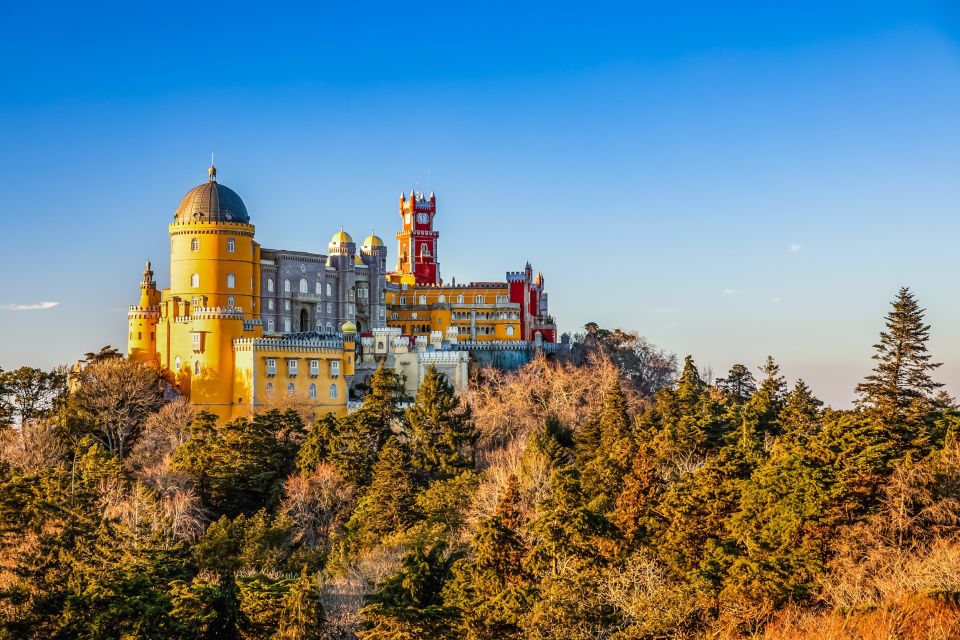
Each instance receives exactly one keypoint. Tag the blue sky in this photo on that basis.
(729, 179)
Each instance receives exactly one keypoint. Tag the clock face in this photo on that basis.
(423, 218)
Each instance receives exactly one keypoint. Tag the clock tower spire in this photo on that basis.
(417, 255)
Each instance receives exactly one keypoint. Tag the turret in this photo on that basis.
(142, 321)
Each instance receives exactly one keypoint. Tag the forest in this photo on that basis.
(614, 492)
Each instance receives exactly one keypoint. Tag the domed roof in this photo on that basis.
(340, 237)
(372, 240)
(357, 260)
(212, 202)
(348, 327)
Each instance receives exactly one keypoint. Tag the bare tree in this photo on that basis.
(32, 446)
(316, 504)
(162, 433)
(118, 396)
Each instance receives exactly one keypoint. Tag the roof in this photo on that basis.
(212, 202)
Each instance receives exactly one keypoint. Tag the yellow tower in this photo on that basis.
(142, 320)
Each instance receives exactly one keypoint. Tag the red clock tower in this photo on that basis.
(417, 255)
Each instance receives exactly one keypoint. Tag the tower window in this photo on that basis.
(231, 302)
(177, 363)
(286, 285)
(231, 245)
(313, 391)
(231, 281)
(304, 287)
(270, 304)
(195, 280)
(269, 285)
(195, 245)
(196, 368)
(333, 391)
(329, 290)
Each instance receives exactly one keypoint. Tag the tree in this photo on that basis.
(29, 394)
(644, 366)
(901, 387)
(442, 434)
(317, 505)
(303, 616)
(739, 383)
(409, 604)
(388, 504)
(115, 397)
(106, 353)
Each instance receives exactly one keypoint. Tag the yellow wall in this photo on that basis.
(437, 308)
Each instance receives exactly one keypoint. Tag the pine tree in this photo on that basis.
(901, 386)
(739, 383)
(605, 469)
(388, 506)
(303, 616)
(801, 411)
(442, 434)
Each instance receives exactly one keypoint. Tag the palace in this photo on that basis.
(240, 324)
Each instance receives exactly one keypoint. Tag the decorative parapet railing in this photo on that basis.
(290, 344)
(135, 311)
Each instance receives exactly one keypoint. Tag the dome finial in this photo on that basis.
(212, 171)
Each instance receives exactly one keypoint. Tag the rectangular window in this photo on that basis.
(334, 368)
(231, 245)
(329, 308)
(271, 366)
(291, 367)
(196, 339)
(314, 368)
(231, 281)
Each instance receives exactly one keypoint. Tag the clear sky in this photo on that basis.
(729, 179)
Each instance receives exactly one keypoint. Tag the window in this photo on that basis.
(423, 299)
(382, 297)
(196, 368)
(334, 368)
(196, 339)
(329, 308)
(231, 281)
(501, 299)
(286, 285)
(350, 309)
(286, 325)
(383, 313)
(333, 391)
(403, 299)
(291, 367)
(442, 299)
(231, 245)
(270, 326)
(414, 315)
(459, 299)
(351, 293)
(269, 389)
(286, 305)
(177, 363)
(270, 304)
(271, 366)
(195, 280)
(318, 289)
(314, 368)
(304, 287)
(510, 330)
(195, 301)
(393, 316)
(329, 327)
(313, 391)
(329, 290)
(269, 285)
(195, 245)
(290, 389)
(479, 300)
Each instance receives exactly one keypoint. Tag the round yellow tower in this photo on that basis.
(214, 261)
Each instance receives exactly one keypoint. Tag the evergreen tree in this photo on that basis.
(801, 412)
(442, 434)
(409, 604)
(387, 506)
(303, 616)
(605, 469)
(29, 394)
(739, 383)
(901, 388)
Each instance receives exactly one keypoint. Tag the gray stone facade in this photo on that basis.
(302, 291)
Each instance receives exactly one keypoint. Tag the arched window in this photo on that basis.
(269, 285)
(479, 299)
(459, 299)
(329, 290)
(231, 281)
(318, 290)
(442, 299)
(423, 299)
(329, 327)
(195, 245)
(286, 285)
(304, 287)
(313, 391)
(230, 302)
(269, 389)
(231, 245)
(196, 368)
(286, 325)
(509, 330)
(403, 299)
(195, 301)
(333, 391)
(195, 280)
(177, 363)
(270, 326)
(290, 389)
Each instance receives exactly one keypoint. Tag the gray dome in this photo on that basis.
(212, 202)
